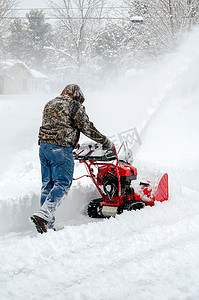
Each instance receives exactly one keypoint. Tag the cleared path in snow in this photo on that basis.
(148, 254)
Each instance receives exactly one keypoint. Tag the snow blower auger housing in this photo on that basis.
(113, 179)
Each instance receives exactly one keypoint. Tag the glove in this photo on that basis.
(107, 144)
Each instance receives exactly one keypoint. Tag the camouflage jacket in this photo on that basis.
(63, 120)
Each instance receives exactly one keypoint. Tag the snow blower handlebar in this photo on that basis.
(94, 151)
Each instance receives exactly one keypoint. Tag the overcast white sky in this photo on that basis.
(32, 3)
(43, 3)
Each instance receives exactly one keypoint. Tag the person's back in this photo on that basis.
(58, 122)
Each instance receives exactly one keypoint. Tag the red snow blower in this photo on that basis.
(113, 178)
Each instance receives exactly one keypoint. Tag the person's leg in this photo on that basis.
(46, 174)
(62, 166)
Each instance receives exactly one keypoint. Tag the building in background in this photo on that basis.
(17, 78)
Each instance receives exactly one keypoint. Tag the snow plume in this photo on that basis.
(170, 136)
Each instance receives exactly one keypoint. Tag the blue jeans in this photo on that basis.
(57, 166)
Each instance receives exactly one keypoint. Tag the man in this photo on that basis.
(63, 119)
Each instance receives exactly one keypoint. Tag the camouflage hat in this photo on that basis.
(74, 92)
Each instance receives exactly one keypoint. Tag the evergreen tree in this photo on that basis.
(111, 47)
(28, 41)
(16, 42)
(38, 37)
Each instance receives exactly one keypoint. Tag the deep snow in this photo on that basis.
(147, 254)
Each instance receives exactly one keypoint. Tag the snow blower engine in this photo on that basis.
(114, 180)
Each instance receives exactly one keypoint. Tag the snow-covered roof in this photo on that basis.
(37, 74)
(5, 66)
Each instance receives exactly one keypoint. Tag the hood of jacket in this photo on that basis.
(74, 92)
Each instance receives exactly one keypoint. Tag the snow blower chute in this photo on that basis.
(114, 180)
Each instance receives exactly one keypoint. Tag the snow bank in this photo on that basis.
(20, 194)
(148, 254)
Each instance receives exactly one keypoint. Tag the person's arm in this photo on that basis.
(83, 123)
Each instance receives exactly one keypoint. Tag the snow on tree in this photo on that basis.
(16, 41)
(165, 21)
(76, 34)
(38, 37)
(6, 12)
(94, 39)
(111, 47)
(28, 40)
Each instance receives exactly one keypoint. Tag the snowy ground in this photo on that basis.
(147, 254)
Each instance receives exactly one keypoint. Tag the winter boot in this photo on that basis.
(40, 224)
